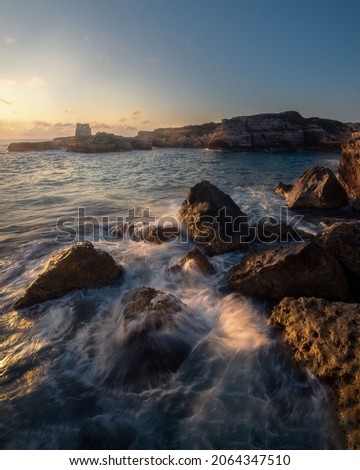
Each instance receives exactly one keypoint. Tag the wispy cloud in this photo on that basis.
(135, 114)
(123, 119)
(146, 122)
(5, 101)
(35, 81)
(9, 40)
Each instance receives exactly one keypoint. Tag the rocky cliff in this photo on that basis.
(284, 131)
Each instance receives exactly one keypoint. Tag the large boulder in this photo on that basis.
(342, 242)
(317, 188)
(156, 334)
(349, 168)
(79, 267)
(213, 219)
(325, 337)
(295, 269)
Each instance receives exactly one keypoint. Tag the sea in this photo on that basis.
(238, 388)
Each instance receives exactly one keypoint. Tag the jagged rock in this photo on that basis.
(349, 168)
(79, 267)
(317, 188)
(282, 189)
(295, 269)
(157, 334)
(269, 231)
(159, 235)
(355, 206)
(101, 142)
(342, 242)
(32, 146)
(325, 338)
(213, 219)
(200, 260)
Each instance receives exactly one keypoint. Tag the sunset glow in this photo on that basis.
(124, 65)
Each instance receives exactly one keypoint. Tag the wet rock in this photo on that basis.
(269, 231)
(157, 334)
(325, 338)
(213, 219)
(79, 267)
(317, 188)
(201, 261)
(158, 235)
(355, 206)
(294, 269)
(282, 189)
(349, 168)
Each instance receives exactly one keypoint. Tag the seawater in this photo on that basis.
(238, 389)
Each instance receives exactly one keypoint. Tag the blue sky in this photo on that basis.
(126, 65)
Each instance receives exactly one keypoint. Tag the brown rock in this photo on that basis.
(317, 188)
(199, 259)
(349, 168)
(293, 270)
(325, 337)
(282, 189)
(79, 267)
(342, 242)
(213, 219)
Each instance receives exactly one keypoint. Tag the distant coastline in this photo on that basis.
(286, 131)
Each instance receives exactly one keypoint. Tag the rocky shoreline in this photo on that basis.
(284, 131)
(311, 282)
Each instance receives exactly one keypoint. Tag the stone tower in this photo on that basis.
(82, 130)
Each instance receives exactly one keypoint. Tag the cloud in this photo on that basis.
(4, 101)
(100, 125)
(35, 81)
(123, 119)
(69, 111)
(146, 122)
(152, 60)
(9, 40)
(135, 114)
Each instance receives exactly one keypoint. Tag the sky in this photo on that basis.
(129, 65)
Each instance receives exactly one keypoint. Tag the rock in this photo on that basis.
(196, 136)
(213, 219)
(295, 269)
(284, 131)
(200, 260)
(32, 146)
(342, 242)
(157, 334)
(159, 235)
(317, 188)
(355, 206)
(100, 143)
(79, 267)
(282, 189)
(349, 168)
(325, 337)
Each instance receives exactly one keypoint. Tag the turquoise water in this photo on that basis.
(237, 389)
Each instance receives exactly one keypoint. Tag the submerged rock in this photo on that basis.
(325, 337)
(293, 270)
(201, 261)
(317, 188)
(79, 267)
(157, 333)
(213, 219)
(349, 168)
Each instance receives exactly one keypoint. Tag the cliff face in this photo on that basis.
(284, 131)
(288, 130)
